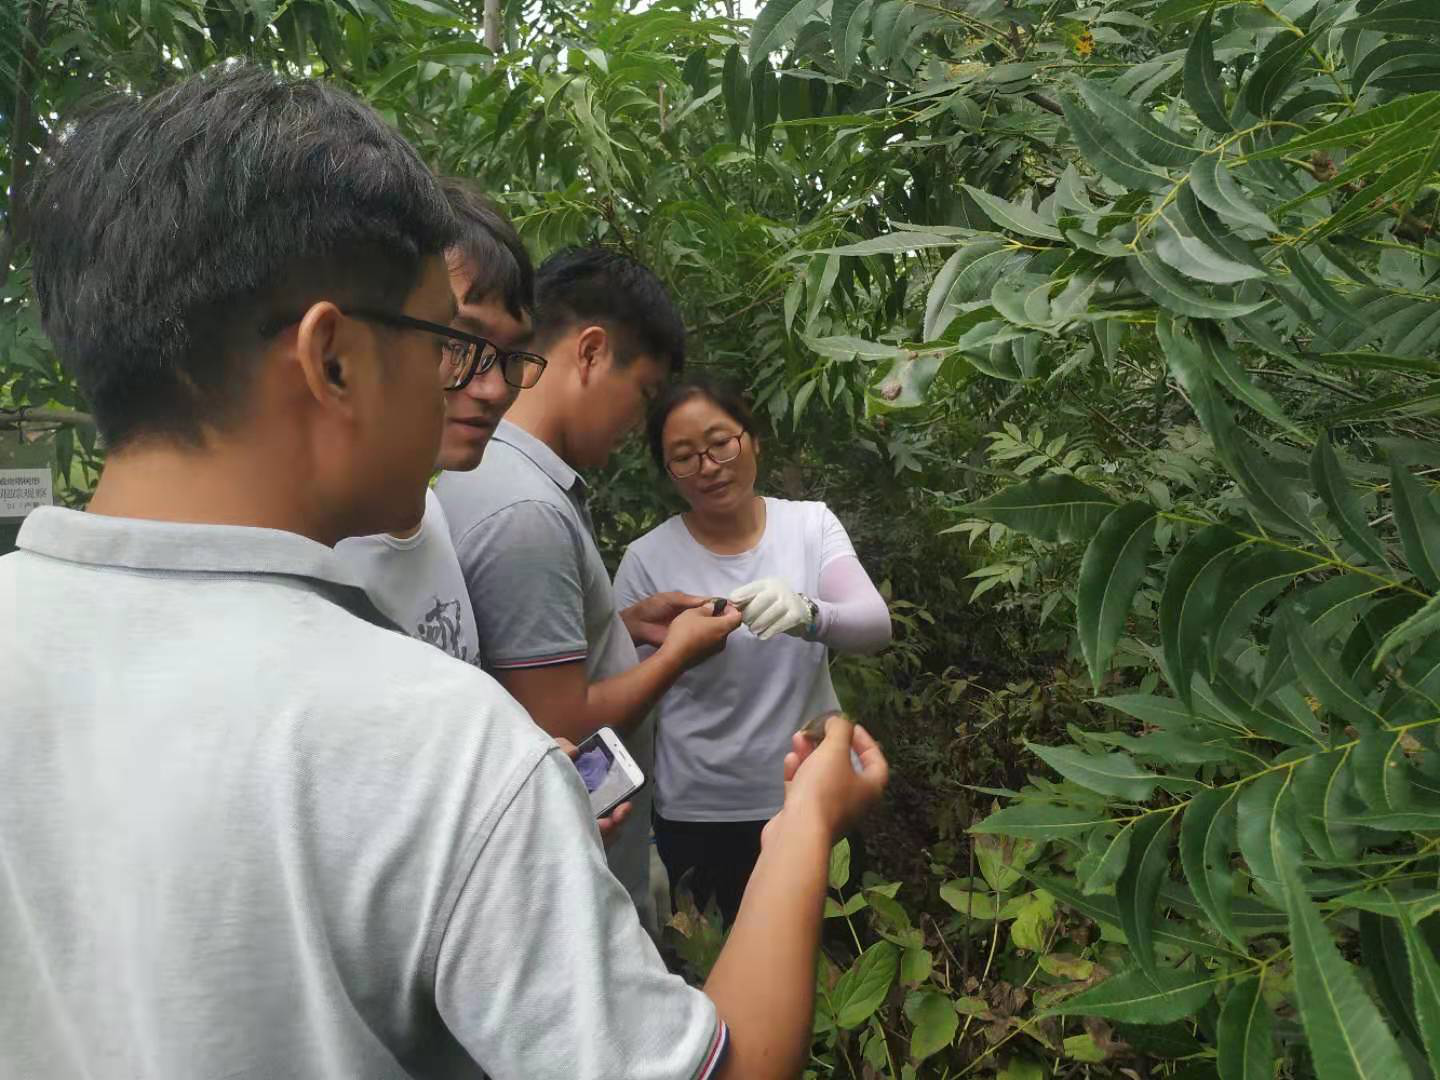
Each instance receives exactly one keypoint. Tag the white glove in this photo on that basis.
(769, 607)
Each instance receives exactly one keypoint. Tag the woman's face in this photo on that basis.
(700, 425)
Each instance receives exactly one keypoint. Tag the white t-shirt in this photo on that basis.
(725, 727)
(258, 837)
(416, 581)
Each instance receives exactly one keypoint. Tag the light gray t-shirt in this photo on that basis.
(724, 728)
(245, 833)
(416, 581)
(541, 595)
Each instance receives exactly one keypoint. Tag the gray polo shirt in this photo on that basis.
(541, 594)
(245, 833)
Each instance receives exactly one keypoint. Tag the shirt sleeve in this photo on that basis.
(522, 569)
(544, 973)
(852, 615)
(834, 540)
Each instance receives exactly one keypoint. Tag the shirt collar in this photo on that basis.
(549, 462)
(133, 544)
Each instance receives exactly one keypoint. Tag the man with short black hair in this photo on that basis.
(544, 607)
(252, 831)
(414, 575)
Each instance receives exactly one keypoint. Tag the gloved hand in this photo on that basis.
(769, 607)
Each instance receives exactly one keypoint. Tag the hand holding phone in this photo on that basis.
(609, 772)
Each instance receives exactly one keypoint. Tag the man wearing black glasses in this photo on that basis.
(414, 575)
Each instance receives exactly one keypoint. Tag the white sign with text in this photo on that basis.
(22, 490)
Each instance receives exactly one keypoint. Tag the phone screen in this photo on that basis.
(606, 781)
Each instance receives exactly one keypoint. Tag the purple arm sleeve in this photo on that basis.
(854, 617)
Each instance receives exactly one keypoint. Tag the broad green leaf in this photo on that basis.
(1425, 971)
(1012, 216)
(1111, 571)
(935, 1023)
(969, 273)
(1002, 859)
(841, 13)
(1112, 861)
(736, 90)
(1207, 833)
(1272, 76)
(1203, 88)
(1033, 921)
(1042, 821)
(1417, 517)
(1108, 774)
(1139, 886)
(1382, 772)
(1266, 829)
(863, 988)
(1105, 153)
(840, 864)
(1324, 799)
(1169, 746)
(1149, 709)
(1423, 623)
(1359, 127)
(1377, 361)
(972, 903)
(1193, 258)
(1276, 500)
(1187, 603)
(1319, 673)
(916, 964)
(1348, 1038)
(1056, 508)
(1157, 281)
(891, 243)
(1383, 956)
(1217, 189)
(1135, 128)
(1252, 581)
(1245, 1043)
(776, 26)
(1318, 288)
(1227, 369)
(1138, 998)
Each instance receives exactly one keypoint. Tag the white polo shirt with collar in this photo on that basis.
(248, 831)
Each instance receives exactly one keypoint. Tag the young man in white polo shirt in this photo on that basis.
(414, 575)
(252, 831)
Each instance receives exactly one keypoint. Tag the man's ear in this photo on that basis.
(322, 354)
(592, 352)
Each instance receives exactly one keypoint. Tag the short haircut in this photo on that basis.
(595, 285)
(726, 398)
(171, 235)
(489, 242)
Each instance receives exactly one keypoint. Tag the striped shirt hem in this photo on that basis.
(540, 661)
(711, 1065)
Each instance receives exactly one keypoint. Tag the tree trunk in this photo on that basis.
(492, 26)
(23, 119)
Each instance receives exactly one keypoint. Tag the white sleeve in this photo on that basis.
(853, 616)
(834, 540)
(544, 972)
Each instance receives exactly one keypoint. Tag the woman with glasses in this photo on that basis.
(725, 727)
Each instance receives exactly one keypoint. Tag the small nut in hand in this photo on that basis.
(814, 728)
(718, 605)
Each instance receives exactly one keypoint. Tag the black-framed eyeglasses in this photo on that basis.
(465, 355)
(721, 453)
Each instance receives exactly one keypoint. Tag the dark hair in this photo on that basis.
(488, 240)
(725, 398)
(168, 233)
(608, 288)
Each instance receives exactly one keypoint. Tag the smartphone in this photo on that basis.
(610, 773)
